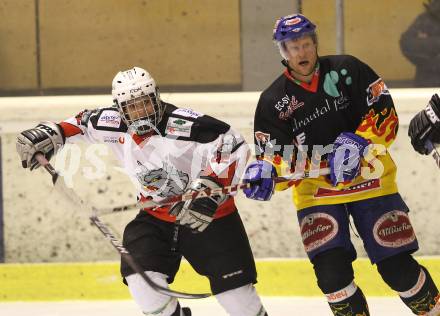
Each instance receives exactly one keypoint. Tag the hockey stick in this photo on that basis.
(208, 192)
(430, 146)
(103, 228)
(435, 154)
(128, 258)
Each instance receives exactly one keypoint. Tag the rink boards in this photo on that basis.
(101, 281)
(40, 226)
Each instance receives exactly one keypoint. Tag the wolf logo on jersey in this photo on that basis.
(163, 182)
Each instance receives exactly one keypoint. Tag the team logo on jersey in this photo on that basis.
(178, 127)
(288, 112)
(394, 230)
(187, 113)
(162, 182)
(318, 229)
(109, 119)
(375, 90)
(282, 103)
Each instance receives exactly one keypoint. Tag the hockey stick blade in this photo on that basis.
(125, 255)
(208, 192)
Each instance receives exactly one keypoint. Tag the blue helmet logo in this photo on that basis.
(292, 27)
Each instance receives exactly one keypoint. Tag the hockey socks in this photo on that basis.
(348, 301)
(423, 298)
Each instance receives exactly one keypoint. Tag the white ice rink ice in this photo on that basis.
(276, 306)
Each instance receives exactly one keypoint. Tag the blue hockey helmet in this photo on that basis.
(292, 27)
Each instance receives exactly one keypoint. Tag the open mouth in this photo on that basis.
(304, 63)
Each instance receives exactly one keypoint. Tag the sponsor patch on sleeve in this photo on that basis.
(375, 90)
(109, 119)
(178, 127)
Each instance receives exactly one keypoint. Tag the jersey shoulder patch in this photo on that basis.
(108, 119)
(178, 127)
(187, 113)
(186, 124)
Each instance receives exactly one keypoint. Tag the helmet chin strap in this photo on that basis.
(286, 63)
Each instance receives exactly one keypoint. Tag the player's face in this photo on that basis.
(302, 55)
(139, 108)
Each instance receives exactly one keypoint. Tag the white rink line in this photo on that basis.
(276, 306)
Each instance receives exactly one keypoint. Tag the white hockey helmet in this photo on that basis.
(131, 87)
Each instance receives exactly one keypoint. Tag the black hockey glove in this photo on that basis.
(197, 214)
(46, 138)
(425, 126)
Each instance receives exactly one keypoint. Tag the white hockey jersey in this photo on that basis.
(185, 145)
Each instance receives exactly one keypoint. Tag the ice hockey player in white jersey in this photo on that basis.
(170, 151)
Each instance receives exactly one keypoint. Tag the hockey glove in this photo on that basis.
(425, 126)
(345, 159)
(46, 138)
(197, 214)
(260, 175)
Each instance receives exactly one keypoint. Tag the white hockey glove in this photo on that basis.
(46, 138)
(197, 214)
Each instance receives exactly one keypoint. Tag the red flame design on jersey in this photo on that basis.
(383, 124)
